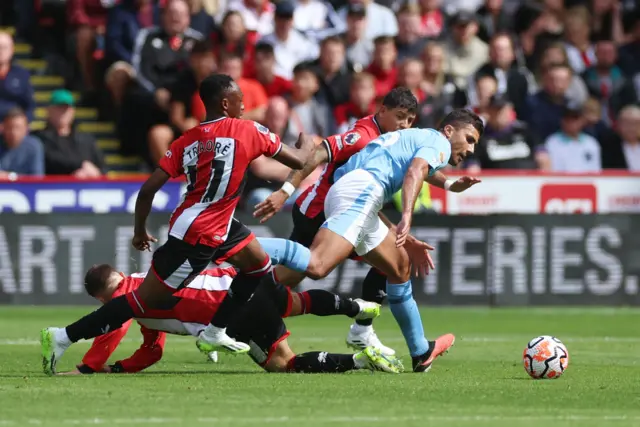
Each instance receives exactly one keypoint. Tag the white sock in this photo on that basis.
(361, 329)
(358, 363)
(213, 331)
(61, 337)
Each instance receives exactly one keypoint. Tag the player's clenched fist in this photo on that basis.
(142, 241)
(272, 205)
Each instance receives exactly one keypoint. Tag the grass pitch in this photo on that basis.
(480, 383)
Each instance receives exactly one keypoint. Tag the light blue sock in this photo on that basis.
(285, 252)
(405, 310)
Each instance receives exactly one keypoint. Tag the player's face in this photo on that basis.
(234, 103)
(463, 141)
(393, 119)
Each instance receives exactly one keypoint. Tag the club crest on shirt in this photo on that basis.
(351, 138)
(261, 129)
(441, 157)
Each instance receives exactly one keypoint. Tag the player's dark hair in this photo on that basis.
(97, 278)
(201, 47)
(213, 88)
(265, 48)
(401, 97)
(463, 117)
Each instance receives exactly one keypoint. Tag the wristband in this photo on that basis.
(448, 183)
(288, 188)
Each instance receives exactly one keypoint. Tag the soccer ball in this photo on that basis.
(545, 357)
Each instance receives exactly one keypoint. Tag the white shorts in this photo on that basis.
(351, 208)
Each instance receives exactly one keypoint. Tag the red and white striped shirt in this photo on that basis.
(200, 300)
(214, 157)
(340, 148)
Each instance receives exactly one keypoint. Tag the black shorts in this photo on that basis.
(305, 228)
(260, 325)
(176, 262)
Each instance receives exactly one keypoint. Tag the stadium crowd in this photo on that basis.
(557, 81)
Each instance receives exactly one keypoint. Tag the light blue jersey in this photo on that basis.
(389, 156)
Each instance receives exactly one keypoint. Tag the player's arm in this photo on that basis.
(101, 349)
(272, 205)
(149, 353)
(440, 180)
(297, 158)
(141, 239)
(416, 174)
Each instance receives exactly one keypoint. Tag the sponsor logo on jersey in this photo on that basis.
(351, 138)
(168, 154)
(568, 198)
(261, 129)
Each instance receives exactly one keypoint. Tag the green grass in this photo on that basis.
(480, 383)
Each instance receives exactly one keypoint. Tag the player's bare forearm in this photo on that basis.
(145, 198)
(317, 157)
(437, 179)
(294, 158)
(412, 184)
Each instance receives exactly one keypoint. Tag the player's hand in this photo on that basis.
(421, 261)
(142, 241)
(305, 142)
(402, 230)
(271, 206)
(464, 183)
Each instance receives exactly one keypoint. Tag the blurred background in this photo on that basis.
(92, 92)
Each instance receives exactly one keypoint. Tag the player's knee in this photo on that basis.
(317, 269)
(402, 270)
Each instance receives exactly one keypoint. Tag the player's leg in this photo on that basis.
(174, 263)
(394, 262)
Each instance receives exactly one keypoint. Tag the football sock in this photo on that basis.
(107, 318)
(278, 293)
(316, 362)
(241, 289)
(325, 303)
(373, 290)
(405, 311)
(285, 252)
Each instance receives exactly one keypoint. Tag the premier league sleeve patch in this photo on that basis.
(261, 129)
(351, 138)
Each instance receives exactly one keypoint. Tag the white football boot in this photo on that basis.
(361, 337)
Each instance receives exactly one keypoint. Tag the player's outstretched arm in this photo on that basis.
(272, 205)
(411, 186)
(296, 159)
(455, 185)
(141, 239)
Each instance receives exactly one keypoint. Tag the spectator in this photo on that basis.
(486, 87)
(432, 19)
(577, 34)
(606, 82)
(307, 114)
(507, 143)
(570, 149)
(466, 51)
(159, 57)
(334, 72)
(442, 93)
(493, 19)
(289, 45)
(186, 109)
(255, 97)
(630, 52)
(536, 28)
(359, 48)
(555, 54)
(265, 62)
(232, 37)
(66, 151)
(316, 19)
(594, 125)
(87, 19)
(514, 81)
(410, 74)
(623, 151)
(257, 15)
(20, 153)
(124, 23)
(544, 109)
(15, 86)
(409, 41)
(380, 19)
(201, 21)
(362, 96)
(383, 67)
